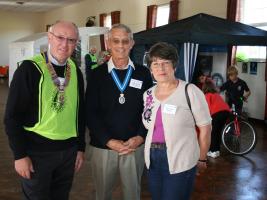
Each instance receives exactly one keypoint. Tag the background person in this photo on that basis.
(172, 149)
(44, 117)
(236, 89)
(103, 57)
(201, 79)
(220, 111)
(114, 118)
(90, 61)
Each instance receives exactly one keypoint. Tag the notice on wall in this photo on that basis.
(253, 68)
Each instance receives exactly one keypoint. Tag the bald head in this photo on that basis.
(66, 25)
(62, 39)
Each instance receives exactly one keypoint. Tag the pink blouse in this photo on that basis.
(158, 134)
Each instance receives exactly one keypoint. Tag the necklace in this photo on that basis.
(59, 85)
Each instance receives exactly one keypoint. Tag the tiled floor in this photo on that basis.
(227, 178)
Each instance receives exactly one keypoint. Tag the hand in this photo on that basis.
(245, 99)
(134, 142)
(126, 151)
(116, 145)
(24, 167)
(79, 160)
(201, 167)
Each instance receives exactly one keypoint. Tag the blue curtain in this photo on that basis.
(187, 61)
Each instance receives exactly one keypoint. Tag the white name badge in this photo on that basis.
(136, 83)
(169, 109)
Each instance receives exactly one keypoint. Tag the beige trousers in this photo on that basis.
(107, 165)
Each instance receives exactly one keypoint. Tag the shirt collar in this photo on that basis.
(111, 65)
(53, 60)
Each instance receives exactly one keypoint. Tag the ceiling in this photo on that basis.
(34, 5)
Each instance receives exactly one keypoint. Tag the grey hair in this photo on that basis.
(92, 47)
(61, 21)
(123, 27)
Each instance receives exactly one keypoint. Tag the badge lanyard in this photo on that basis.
(122, 86)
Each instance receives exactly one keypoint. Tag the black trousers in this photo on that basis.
(218, 121)
(238, 106)
(52, 177)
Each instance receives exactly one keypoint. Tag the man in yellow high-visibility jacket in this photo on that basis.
(90, 61)
(44, 117)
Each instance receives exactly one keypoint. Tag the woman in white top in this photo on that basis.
(173, 149)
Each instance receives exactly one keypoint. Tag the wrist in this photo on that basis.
(140, 138)
(203, 160)
(203, 157)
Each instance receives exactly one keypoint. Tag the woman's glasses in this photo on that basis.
(163, 64)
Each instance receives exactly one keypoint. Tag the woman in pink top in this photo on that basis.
(172, 149)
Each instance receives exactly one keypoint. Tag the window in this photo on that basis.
(163, 15)
(107, 22)
(254, 13)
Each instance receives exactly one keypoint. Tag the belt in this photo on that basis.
(158, 146)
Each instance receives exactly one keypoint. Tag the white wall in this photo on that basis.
(15, 25)
(213, 7)
(133, 12)
(256, 83)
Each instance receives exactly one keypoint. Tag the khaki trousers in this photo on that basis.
(107, 165)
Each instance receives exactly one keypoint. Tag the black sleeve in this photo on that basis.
(81, 112)
(246, 88)
(88, 61)
(94, 121)
(224, 86)
(88, 66)
(148, 82)
(19, 102)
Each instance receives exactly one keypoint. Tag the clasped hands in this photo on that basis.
(127, 147)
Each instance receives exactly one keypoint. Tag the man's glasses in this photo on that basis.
(62, 39)
(123, 41)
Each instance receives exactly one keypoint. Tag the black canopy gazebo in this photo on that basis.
(200, 29)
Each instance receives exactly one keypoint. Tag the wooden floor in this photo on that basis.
(227, 178)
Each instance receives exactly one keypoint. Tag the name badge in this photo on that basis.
(169, 109)
(136, 83)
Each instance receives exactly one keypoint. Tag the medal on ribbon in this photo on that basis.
(58, 99)
(122, 86)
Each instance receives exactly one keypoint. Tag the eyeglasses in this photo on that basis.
(123, 41)
(62, 39)
(164, 64)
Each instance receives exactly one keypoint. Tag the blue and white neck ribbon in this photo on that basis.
(122, 86)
